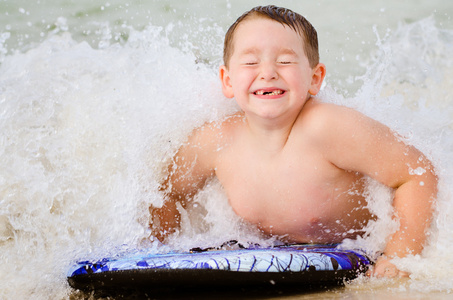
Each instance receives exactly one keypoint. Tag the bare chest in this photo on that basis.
(290, 195)
(259, 187)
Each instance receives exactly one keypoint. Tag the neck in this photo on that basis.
(270, 136)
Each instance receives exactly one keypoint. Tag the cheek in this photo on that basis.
(297, 79)
(242, 80)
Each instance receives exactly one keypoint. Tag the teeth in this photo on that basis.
(273, 93)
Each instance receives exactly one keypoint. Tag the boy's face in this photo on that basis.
(269, 74)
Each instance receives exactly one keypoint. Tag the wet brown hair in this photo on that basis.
(285, 17)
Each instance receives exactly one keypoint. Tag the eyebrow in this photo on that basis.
(254, 50)
(288, 51)
(249, 51)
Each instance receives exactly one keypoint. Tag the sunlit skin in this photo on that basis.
(292, 165)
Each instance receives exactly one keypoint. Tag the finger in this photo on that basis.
(403, 274)
(370, 271)
(391, 272)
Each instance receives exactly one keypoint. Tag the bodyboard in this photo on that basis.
(303, 265)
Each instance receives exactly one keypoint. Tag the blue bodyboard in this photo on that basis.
(303, 265)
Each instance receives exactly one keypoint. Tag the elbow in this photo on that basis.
(432, 181)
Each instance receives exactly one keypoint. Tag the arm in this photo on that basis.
(413, 207)
(358, 143)
(192, 165)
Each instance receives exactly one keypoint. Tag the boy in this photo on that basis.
(290, 164)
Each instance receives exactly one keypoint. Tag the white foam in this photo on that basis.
(409, 89)
(87, 132)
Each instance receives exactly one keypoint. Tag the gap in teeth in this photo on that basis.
(276, 92)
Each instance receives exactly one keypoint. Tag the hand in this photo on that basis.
(384, 268)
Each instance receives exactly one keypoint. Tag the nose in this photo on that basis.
(268, 71)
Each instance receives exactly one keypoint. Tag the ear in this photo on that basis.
(319, 72)
(227, 88)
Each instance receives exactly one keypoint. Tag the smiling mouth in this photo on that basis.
(269, 93)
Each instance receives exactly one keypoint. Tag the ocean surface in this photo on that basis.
(96, 97)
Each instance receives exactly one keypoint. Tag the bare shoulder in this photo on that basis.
(353, 141)
(204, 143)
(213, 135)
(325, 111)
(325, 121)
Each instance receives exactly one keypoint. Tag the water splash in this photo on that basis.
(87, 130)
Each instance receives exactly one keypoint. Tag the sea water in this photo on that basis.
(96, 97)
